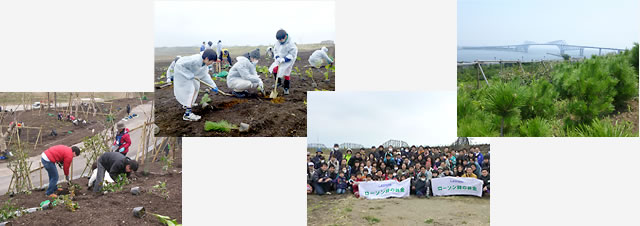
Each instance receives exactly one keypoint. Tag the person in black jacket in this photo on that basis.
(421, 188)
(353, 160)
(336, 152)
(485, 181)
(115, 163)
(321, 181)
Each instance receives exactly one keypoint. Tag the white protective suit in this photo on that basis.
(219, 49)
(318, 57)
(185, 87)
(107, 179)
(171, 69)
(243, 75)
(288, 50)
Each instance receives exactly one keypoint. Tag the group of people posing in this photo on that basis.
(188, 72)
(342, 171)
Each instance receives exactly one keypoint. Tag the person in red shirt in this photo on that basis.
(60, 154)
(123, 140)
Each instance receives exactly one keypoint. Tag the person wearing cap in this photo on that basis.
(115, 164)
(123, 140)
(347, 155)
(226, 56)
(310, 171)
(318, 159)
(319, 57)
(243, 75)
(336, 152)
(62, 155)
(285, 52)
(321, 181)
(186, 87)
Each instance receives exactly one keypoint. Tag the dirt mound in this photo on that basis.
(285, 116)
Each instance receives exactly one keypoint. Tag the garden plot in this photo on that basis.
(282, 116)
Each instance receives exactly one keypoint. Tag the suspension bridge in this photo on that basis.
(562, 45)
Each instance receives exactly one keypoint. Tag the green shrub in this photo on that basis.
(477, 126)
(536, 127)
(634, 56)
(504, 100)
(627, 87)
(538, 100)
(603, 128)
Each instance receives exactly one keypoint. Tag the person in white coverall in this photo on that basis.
(243, 75)
(185, 86)
(171, 69)
(285, 52)
(318, 57)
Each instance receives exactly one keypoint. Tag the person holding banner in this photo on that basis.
(421, 187)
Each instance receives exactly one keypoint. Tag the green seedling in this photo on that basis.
(221, 126)
(165, 220)
(118, 184)
(7, 211)
(167, 163)
(161, 188)
(204, 102)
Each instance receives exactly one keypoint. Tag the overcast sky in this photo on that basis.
(371, 118)
(611, 23)
(188, 23)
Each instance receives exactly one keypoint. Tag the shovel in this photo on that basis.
(207, 84)
(274, 94)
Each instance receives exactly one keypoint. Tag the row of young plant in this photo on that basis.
(570, 99)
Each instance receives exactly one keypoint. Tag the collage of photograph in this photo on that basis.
(241, 85)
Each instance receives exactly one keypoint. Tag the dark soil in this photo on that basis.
(286, 117)
(37, 118)
(112, 208)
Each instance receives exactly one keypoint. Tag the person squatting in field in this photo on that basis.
(243, 75)
(122, 141)
(115, 164)
(4, 149)
(319, 57)
(186, 86)
(420, 164)
(285, 52)
(63, 156)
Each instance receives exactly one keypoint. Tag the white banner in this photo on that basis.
(456, 186)
(384, 189)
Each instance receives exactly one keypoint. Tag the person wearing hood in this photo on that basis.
(123, 140)
(285, 52)
(243, 75)
(318, 58)
(115, 164)
(171, 69)
(186, 87)
(336, 152)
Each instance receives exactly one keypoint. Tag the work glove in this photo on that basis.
(121, 149)
(280, 60)
(286, 59)
(215, 90)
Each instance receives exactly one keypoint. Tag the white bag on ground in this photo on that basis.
(107, 178)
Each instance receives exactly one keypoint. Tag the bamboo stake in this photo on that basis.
(160, 149)
(40, 169)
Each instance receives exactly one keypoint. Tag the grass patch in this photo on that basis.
(429, 221)
(371, 220)
(348, 209)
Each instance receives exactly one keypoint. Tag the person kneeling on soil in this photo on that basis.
(321, 181)
(123, 140)
(421, 187)
(285, 52)
(57, 154)
(115, 164)
(186, 86)
(243, 75)
(341, 183)
(318, 58)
